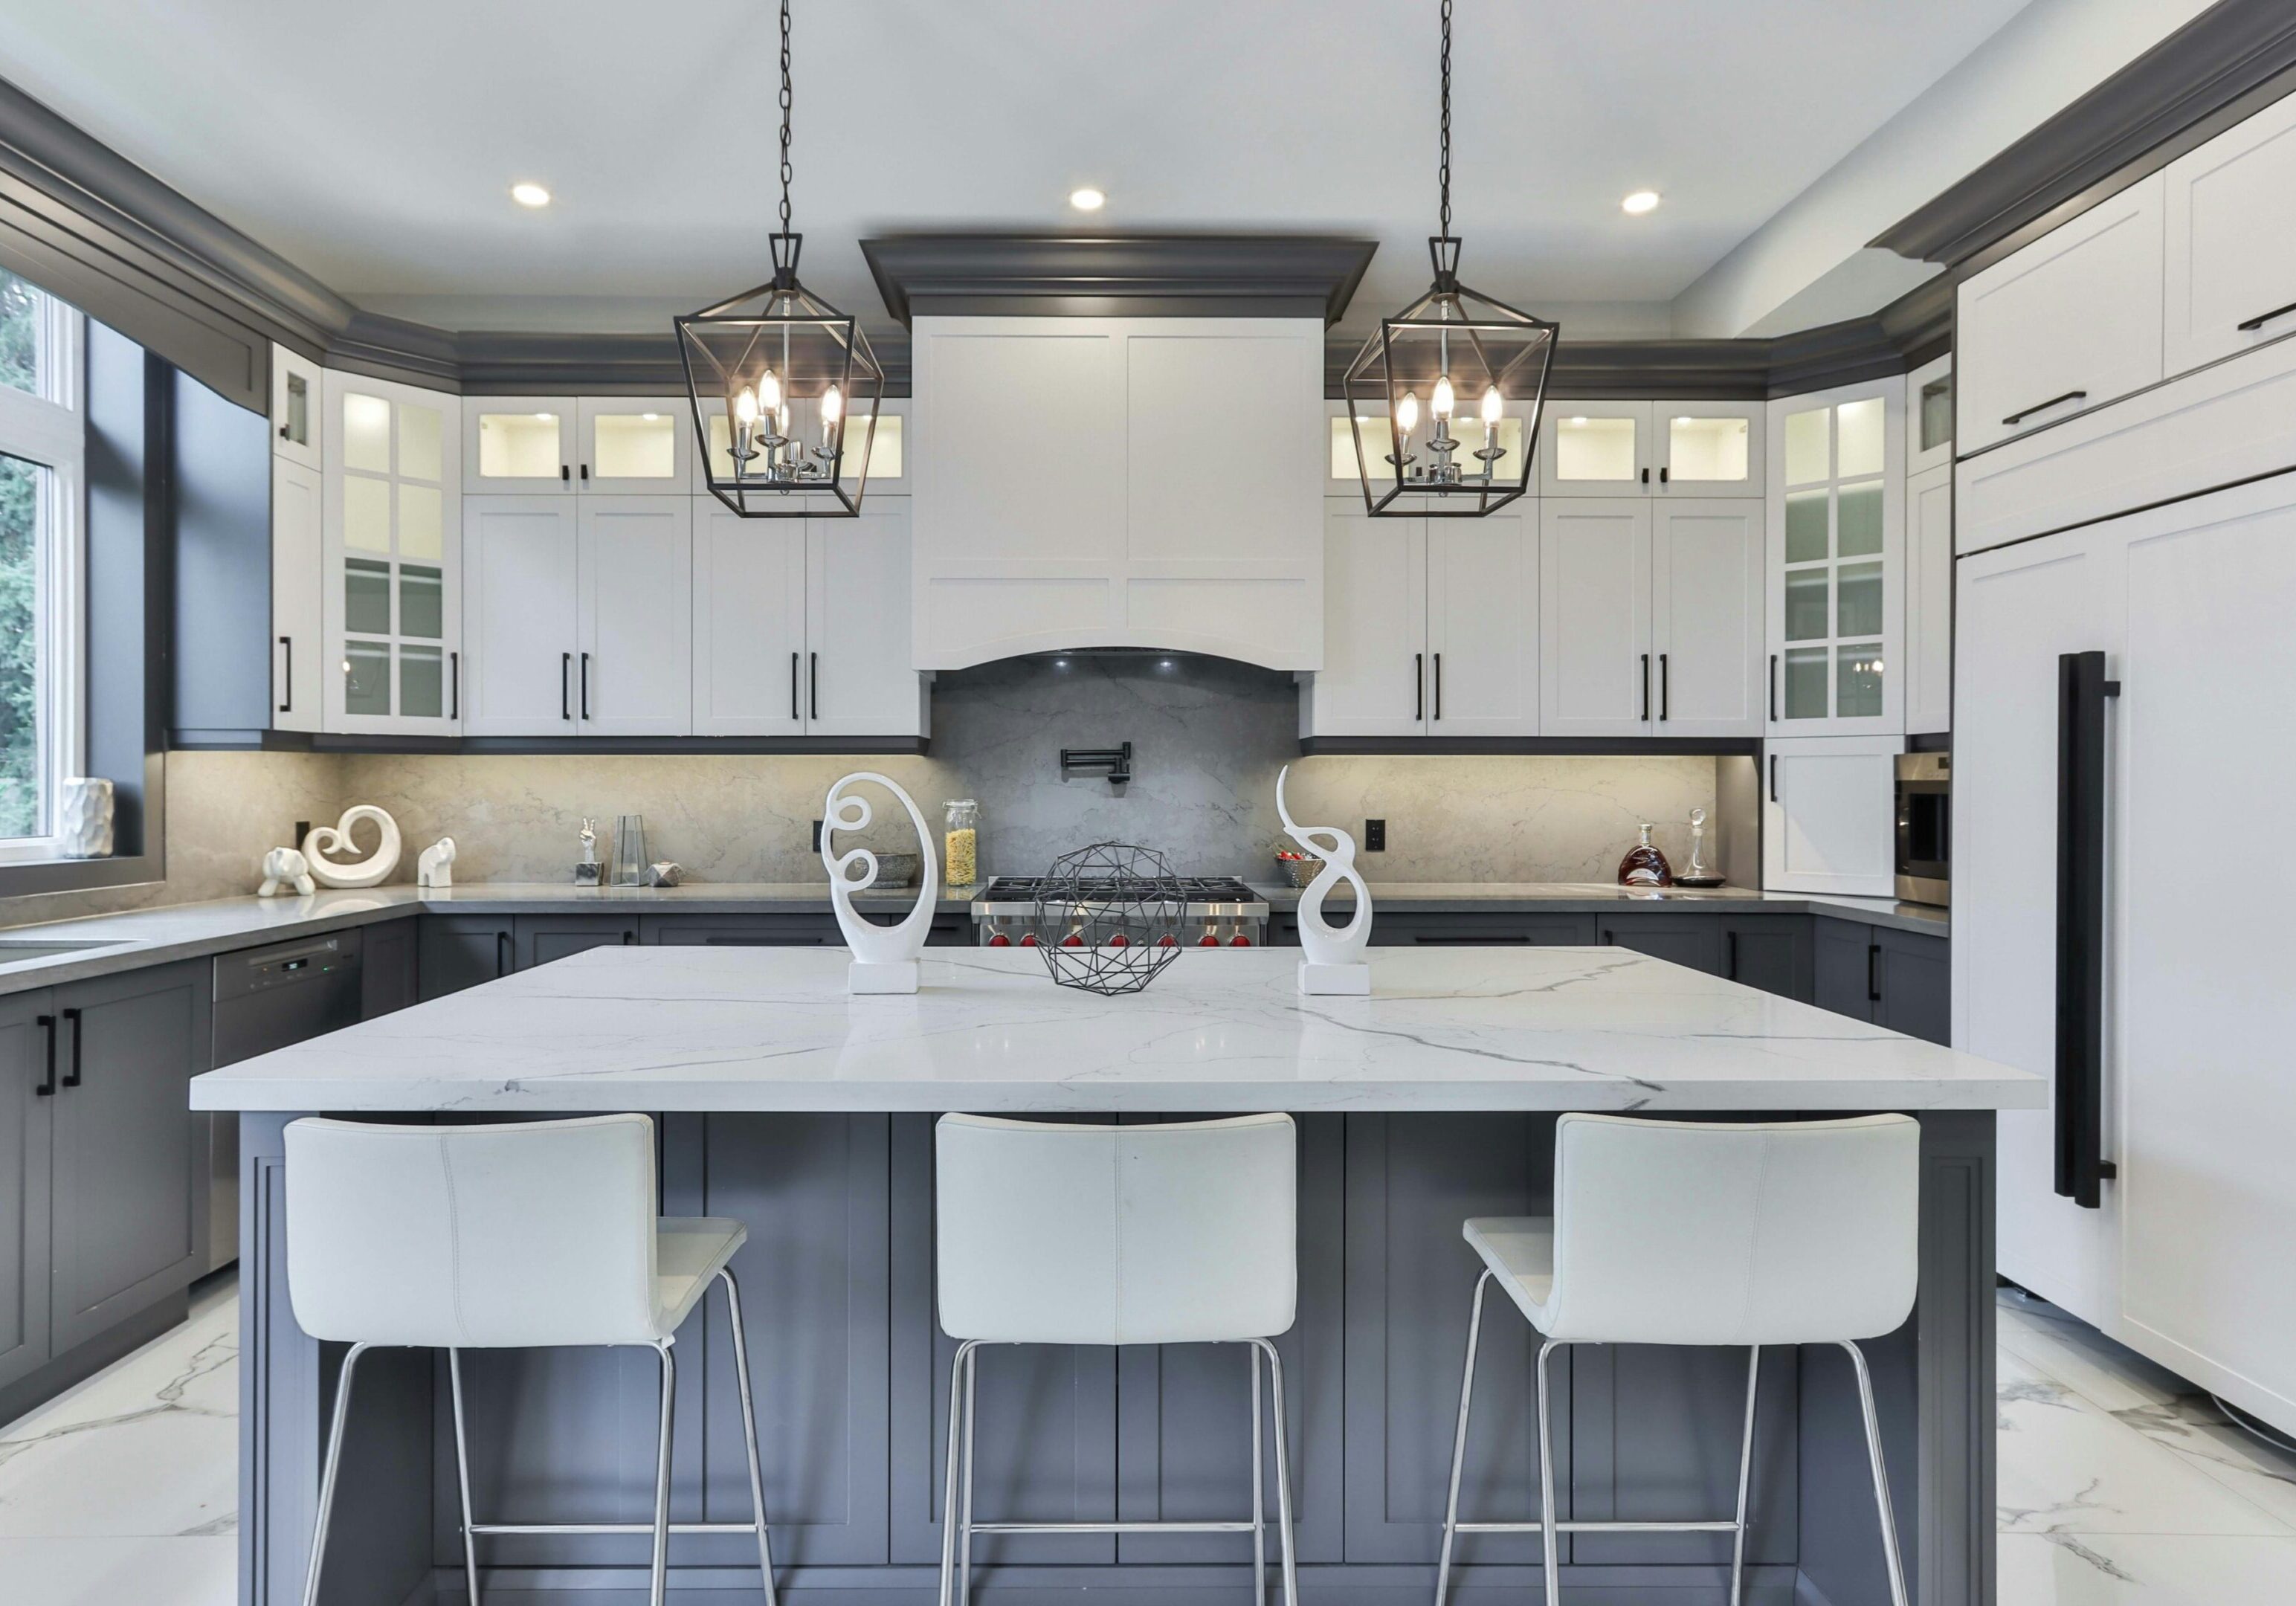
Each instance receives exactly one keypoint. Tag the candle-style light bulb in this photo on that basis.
(833, 407)
(745, 407)
(1440, 404)
(769, 392)
(1493, 406)
(1407, 416)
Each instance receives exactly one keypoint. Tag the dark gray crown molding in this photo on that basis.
(1075, 275)
(2225, 63)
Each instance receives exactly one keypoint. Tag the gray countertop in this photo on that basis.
(146, 937)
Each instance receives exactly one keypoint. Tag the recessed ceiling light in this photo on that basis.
(530, 194)
(1088, 199)
(1639, 203)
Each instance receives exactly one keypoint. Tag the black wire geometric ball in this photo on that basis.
(1108, 920)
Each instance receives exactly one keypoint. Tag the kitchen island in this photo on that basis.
(807, 1114)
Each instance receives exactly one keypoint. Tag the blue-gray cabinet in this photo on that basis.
(26, 1056)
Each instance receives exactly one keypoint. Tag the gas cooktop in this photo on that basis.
(1194, 888)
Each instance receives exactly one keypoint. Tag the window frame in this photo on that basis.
(49, 430)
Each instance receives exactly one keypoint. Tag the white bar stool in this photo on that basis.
(1183, 1233)
(1690, 1233)
(535, 1235)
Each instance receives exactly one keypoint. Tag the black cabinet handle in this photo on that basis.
(565, 686)
(504, 955)
(1665, 689)
(454, 685)
(813, 686)
(1730, 955)
(586, 685)
(793, 704)
(288, 641)
(2257, 321)
(564, 473)
(586, 473)
(47, 1085)
(2079, 1097)
(1661, 476)
(1774, 688)
(1438, 685)
(1645, 688)
(1774, 777)
(1872, 973)
(282, 432)
(2045, 406)
(72, 1019)
(1419, 685)
(1645, 476)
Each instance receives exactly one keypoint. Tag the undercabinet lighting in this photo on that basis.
(1087, 199)
(1639, 203)
(527, 193)
(1579, 422)
(651, 418)
(546, 418)
(1682, 421)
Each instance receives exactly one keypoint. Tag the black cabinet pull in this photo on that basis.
(1646, 688)
(1419, 685)
(47, 1085)
(2257, 321)
(813, 686)
(1645, 476)
(586, 685)
(1438, 685)
(586, 473)
(1665, 690)
(565, 686)
(2045, 406)
(1872, 973)
(629, 937)
(283, 433)
(454, 685)
(564, 473)
(1661, 476)
(503, 953)
(1774, 688)
(2079, 1094)
(78, 1031)
(288, 641)
(1774, 777)
(794, 714)
(1730, 954)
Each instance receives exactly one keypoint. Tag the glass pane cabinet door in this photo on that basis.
(1835, 558)
(296, 409)
(888, 448)
(393, 540)
(521, 445)
(1596, 449)
(1708, 448)
(634, 446)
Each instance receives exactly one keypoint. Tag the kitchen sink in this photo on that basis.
(17, 952)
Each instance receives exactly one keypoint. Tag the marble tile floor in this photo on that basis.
(2119, 1485)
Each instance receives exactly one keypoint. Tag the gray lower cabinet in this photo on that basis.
(27, 1060)
(1900, 979)
(1845, 967)
(1771, 952)
(791, 930)
(540, 939)
(1464, 929)
(389, 976)
(458, 951)
(1689, 939)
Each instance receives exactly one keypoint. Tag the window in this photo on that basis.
(42, 668)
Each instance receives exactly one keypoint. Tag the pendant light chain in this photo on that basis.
(788, 172)
(1446, 175)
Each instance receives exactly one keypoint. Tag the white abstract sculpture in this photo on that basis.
(1335, 961)
(283, 867)
(434, 866)
(884, 957)
(336, 838)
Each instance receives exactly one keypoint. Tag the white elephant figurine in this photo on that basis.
(282, 868)
(436, 865)
(1334, 961)
(370, 872)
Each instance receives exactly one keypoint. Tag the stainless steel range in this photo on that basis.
(1221, 912)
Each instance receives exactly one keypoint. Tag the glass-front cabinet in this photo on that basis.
(296, 410)
(1343, 477)
(519, 444)
(1650, 448)
(1836, 562)
(888, 448)
(392, 568)
(634, 446)
(1588, 449)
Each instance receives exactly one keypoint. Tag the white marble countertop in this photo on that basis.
(1413, 898)
(700, 1028)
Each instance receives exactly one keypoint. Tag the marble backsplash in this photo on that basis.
(1207, 739)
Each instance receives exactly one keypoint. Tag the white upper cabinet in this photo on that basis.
(2231, 208)
(1595, 448)
(1829, 812)
(519, 445)
(1834, 613)
(1344, 477)
(1929, 416)
(632, 671)
(298, 568)
(1707, 448)
(391, 586)
(639, 445)
(859, 681)
(297, 412)
(1150, 482)
(1706, 616)
(520, 559)
(2069, 323)
(1595, 673)
(1373, 682)
(1928, 601)
(1482, 613)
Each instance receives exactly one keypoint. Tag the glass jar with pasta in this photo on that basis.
(960, 843)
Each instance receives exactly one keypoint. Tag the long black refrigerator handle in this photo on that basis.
(2081, 691)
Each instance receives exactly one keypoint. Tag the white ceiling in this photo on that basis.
(372, 144)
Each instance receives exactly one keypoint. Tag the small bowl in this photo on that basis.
(897, 869)
(1298, 873)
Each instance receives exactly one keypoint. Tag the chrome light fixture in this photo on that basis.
(793, 372)
(1452, 345)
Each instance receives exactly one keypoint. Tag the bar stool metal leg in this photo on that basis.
(1259, 1492)
(1881, 1475)
(749, 1430)
(660, 1583)
(327, 1474)
(964, 1518)
(463, 1474)
(1745, 1479)
(950, 1473)
(1548, 1528)
(1266, 1347)
(1459, 1441)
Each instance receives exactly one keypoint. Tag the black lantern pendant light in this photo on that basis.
(1453, 348)
(793, 372)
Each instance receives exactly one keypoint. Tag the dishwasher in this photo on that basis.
(267, 998)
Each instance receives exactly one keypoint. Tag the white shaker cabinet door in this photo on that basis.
(518, 566)
(1929, 601)
(298, 562)
(2231, 253)
(748, 623)
(1373, 682)
(1707, 587)
(1597, 676)
(1829, 815)
(2069, 323)
(633, 670)
(1482, 624)
(859, 680)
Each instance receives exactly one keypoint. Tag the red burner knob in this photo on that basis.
(1120, 941)
(1207, 941)
(1030, 941)
(1168, 941)
(1239, 941)
(1072, 941)
(1000, 941)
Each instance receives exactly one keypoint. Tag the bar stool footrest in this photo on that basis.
(610, 1527)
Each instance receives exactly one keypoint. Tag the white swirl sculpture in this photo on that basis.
(369, 872)
(1335, 953)
(884, 957)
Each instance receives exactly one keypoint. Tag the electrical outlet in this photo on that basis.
(1374, 836)
(816, 836)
